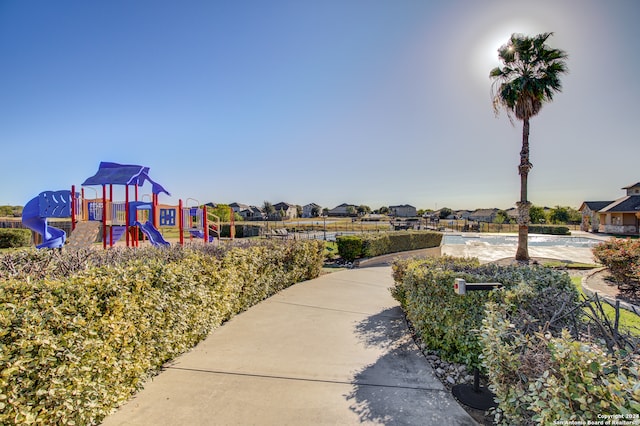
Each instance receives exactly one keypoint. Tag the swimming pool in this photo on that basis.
(512, 240)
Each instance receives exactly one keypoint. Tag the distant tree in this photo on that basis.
(537, 214)
(315, 211)
(499, 219)
(502, 217)
(268, 208)
(298, 211)
(575, 216)
(362, 210)
(559, 215)
(529, 78)
(325, 211)
(445, 212)
(6, 211)
(383, 210)
(351, 211)
(223, 211)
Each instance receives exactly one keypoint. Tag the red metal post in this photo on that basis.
(136, 236)
(104, 216)
(111, 215)
(73, 207)
(154, 211)
(126, 212)
(181, 231)
(205, 225)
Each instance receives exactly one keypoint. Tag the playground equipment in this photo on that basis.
(117, 218)
(48, 204)
(199, 223)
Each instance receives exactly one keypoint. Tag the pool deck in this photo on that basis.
(489, 253)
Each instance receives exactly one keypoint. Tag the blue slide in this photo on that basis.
(118, 231)
(155, 237)
(198, 233)
(32, 219)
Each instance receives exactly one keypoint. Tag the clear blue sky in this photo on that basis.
(358, 101)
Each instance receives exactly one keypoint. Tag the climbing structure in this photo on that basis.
(123, 217)
(103, 215)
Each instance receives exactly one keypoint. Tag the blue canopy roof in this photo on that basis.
(123, 174)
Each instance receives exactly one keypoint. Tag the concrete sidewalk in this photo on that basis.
(331, 351)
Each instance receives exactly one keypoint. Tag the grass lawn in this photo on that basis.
(629, 321)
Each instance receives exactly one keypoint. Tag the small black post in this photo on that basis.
(475, 396)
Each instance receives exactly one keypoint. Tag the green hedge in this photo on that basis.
(351, 247)
(241, 230)
(73, 348)
(523, 337)
(552, 230)
(447, 322)
(12, 238)
(539, 378)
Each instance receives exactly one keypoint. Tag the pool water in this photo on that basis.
(512, 240)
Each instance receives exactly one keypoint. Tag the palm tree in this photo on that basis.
(529, 78)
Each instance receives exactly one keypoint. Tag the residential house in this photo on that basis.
(252, 213)
(621, 216)
(285, 211)
(238, 207)
(343, 210)
(512, 213)
(311, 210)
(484, 215)
(463, 214)
(590, 216)
(403, 210)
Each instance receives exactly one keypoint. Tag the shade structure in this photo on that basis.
(123, 174)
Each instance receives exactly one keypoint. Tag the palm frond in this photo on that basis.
(530, 75)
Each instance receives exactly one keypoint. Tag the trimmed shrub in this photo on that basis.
(448, 323)
(546, 360)
(395, 242)
(241, 230)
(13, 238)
(541, 379)
(553, 230)
(350, 247)
(75, 346)
(621, 256)
(370, 245)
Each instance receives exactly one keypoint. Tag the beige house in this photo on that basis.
(621, 216)
(311, 210)
(483, 215)
(343, 209)
(590, 216)
(403, 210)
(286, 211)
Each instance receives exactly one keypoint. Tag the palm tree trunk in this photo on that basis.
(522, 252)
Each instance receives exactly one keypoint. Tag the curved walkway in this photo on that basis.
(330, 351)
